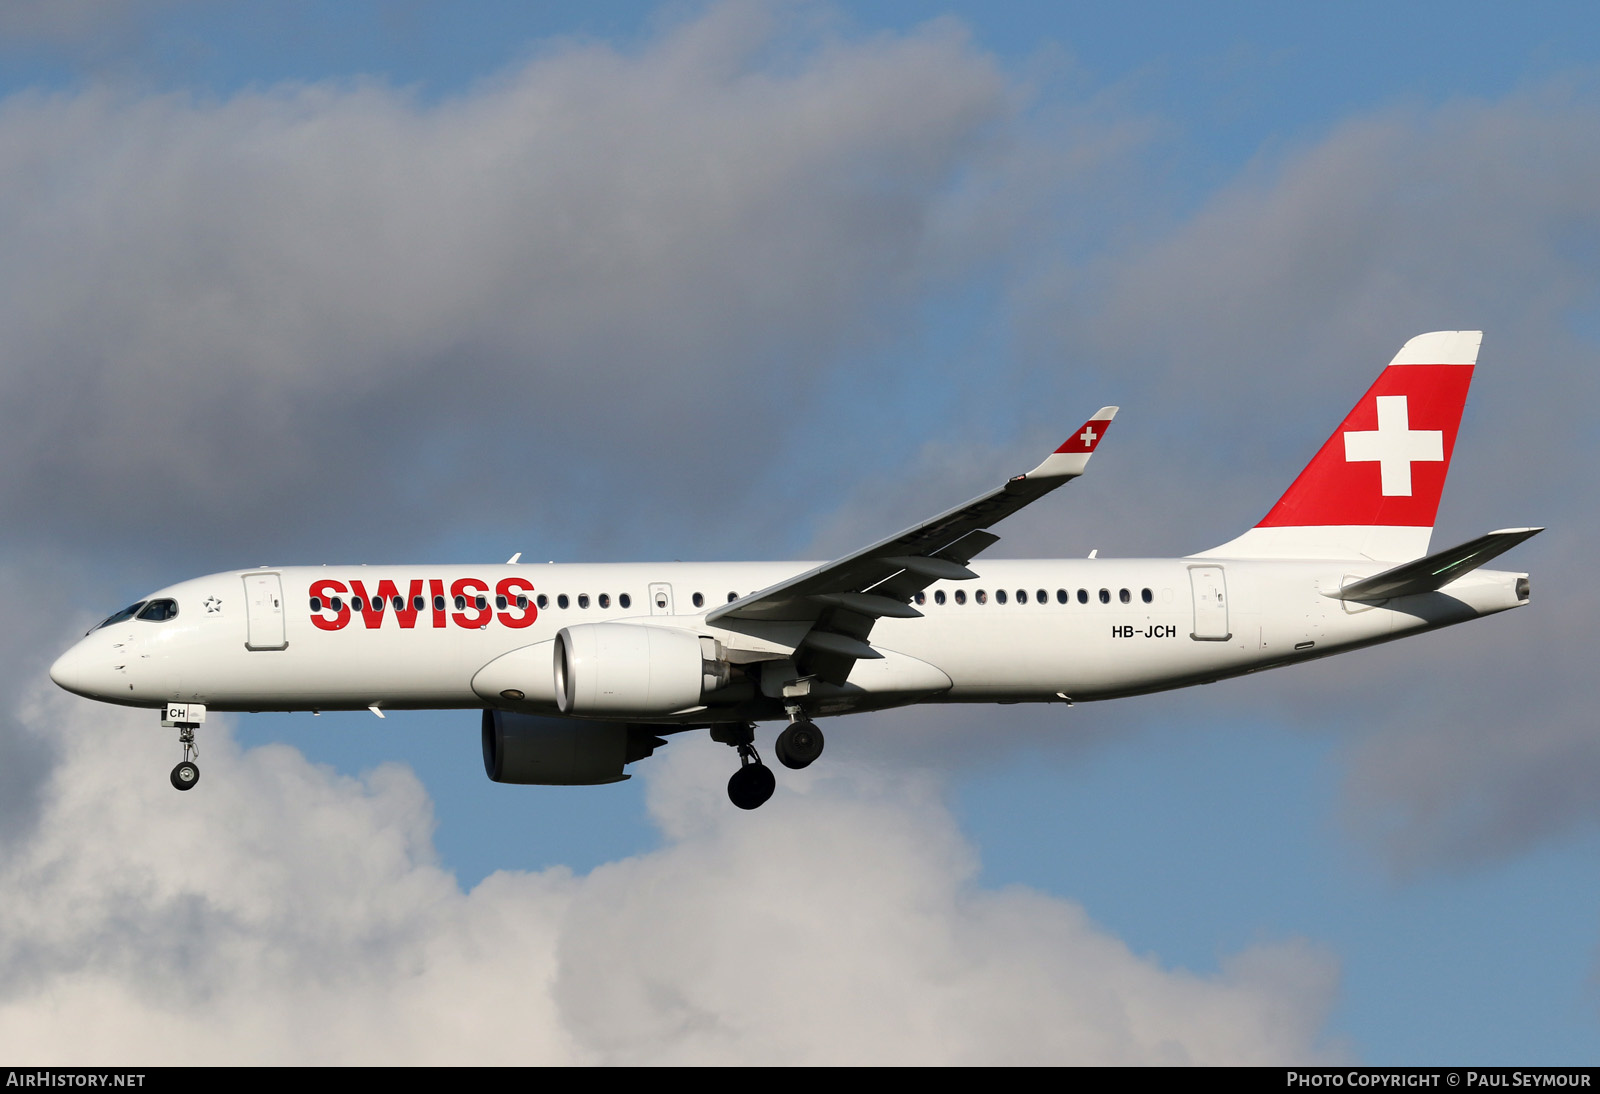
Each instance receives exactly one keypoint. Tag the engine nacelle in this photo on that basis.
(536, 749)
(631, 670)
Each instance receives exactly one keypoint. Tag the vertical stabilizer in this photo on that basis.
(1372, 491)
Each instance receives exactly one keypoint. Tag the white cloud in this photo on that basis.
(282, 913)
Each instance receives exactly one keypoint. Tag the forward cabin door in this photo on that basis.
(263, 599)
(1210, 589)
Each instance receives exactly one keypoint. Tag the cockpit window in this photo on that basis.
(157, 610)
(126, 613)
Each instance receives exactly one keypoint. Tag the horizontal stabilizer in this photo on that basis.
(1437, 570)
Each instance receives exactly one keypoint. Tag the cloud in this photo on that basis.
(335, 306)
(1235, 340)
(282, 913)
(76, 22)
(1244, 333)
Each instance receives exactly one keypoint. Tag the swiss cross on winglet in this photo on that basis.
(1089, 435)
(1069, 460)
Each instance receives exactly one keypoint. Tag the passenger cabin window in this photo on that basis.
(699, 601)
(999, 596)
(605, 600)
(921, 598)
(360, 605)
(624, 600)
(938, 596)
(418, 603)
(583, 600)
(543, 602)
(1124, 596)
(961, 596)
(982, 597)
(732, 597)
(316, 603)
(1083, 596)
(438, 603)
(561, 601)
(1061, 596)
(461, 604)
(1146, 596)
(501, 603)
(1042, 597)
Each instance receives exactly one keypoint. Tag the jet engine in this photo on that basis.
(530, 748)
(633, 670)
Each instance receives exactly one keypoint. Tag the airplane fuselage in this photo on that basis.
(413, 637)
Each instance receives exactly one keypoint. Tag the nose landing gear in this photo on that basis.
(186, 718)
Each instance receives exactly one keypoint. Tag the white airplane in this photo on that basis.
(580, 670)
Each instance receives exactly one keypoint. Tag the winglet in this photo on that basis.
(1072, 457)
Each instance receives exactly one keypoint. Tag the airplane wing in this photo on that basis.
(844, 598)
(1437, 570)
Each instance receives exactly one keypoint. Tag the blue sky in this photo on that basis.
(444, 282)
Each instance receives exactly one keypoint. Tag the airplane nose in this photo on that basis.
(83, 672)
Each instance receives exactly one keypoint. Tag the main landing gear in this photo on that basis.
(798, 745)
(751, 785)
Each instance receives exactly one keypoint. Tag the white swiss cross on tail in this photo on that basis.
(1394, 445)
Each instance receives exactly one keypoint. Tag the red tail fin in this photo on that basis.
(1373, 489)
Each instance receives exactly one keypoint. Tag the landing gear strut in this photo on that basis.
(187, 773)
(752, 784)
(186, 718)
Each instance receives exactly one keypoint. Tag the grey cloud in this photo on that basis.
(76, 22)
(335, 303)
(1250, 329)
(1236, 341)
